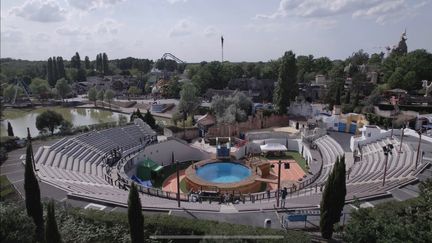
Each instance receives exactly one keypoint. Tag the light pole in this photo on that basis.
(387, 150)
(400, 146)
(178, 184)
(278, 188)
(418, 148)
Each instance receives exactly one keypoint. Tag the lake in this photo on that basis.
(20, 119)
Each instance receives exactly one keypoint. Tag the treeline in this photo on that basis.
(55, 70)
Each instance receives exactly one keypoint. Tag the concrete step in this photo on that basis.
(402, 195)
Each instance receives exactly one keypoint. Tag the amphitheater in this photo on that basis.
(97, 167)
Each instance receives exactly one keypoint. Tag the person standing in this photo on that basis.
(284, 195)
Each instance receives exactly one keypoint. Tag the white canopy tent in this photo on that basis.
(273, 147)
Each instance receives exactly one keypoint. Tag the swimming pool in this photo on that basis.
(223, 172)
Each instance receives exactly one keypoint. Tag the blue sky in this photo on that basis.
(254, 30)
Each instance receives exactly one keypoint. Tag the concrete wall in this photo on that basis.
(188, 134)
(161, 153)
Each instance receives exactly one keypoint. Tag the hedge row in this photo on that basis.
(79, 225)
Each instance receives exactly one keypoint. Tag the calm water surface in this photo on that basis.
(20, 119)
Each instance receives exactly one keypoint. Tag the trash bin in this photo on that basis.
(267, 223)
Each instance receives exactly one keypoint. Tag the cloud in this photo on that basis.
(41, 37)
(378, 10)
(70, 31)
(176, 1)
(210, 31)
(12, 36)
(108, 26)
(182, 28)
(92, 4)
(40, 11)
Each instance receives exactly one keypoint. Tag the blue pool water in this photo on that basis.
(223, 172)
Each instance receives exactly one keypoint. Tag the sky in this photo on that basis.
(253, 30)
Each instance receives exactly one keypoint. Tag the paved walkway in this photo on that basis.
(288, 176)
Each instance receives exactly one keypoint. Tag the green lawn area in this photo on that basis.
(183, 187)
(293, 155)
(6, 190)
(158, 179)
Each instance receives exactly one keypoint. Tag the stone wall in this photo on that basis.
(259, 121)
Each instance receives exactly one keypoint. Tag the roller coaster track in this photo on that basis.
(171, 56)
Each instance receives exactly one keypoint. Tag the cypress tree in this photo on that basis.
(348, 97)
(77, 61)
(55, 70)
(338, 97)
(52, 234)
(32, 193)
(98, 63)
(60, 67)
(340, 184)
(105, 66)
(149, 119)
(333, 199)
(135, 217)
(286, 88)
(87, 62)
(50, 72)
(10, 130)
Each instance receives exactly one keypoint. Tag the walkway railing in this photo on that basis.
(124, 182)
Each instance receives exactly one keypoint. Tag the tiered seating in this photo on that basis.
(81, 159)
(371, 167)
(330, 150)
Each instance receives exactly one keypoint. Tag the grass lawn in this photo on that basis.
(292, 155)
(6, 189)
(183, 187)
(167, 171)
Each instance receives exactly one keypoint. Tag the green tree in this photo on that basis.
(52, 235)
(405, 221)
(109, 95)
(286, 87)
(87, 62)
(105, 65)
(76, 61)
(92, 95)
(81, 75)
(55, 69)
(61, 69)
(134, 91)
(63, 88)
(135, 217)
(40, 87)
(189, 101)
(149, 119)
(50, 72)
(48, 120)
(333, 199)
(136, 114)
(99, 63)
(9, 92)
(101, 95)
(10, 130)
(397, 78)
(32, 194)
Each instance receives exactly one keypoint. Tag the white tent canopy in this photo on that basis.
(273, 147)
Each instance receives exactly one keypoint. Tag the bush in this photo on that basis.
(79, 225)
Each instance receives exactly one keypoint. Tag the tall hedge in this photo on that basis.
(32, 195)
(135, 217)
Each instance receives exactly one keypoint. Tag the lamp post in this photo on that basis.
(278, 187)
(418, 148)
(387, 150)
(400, 146)
(178, 184)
